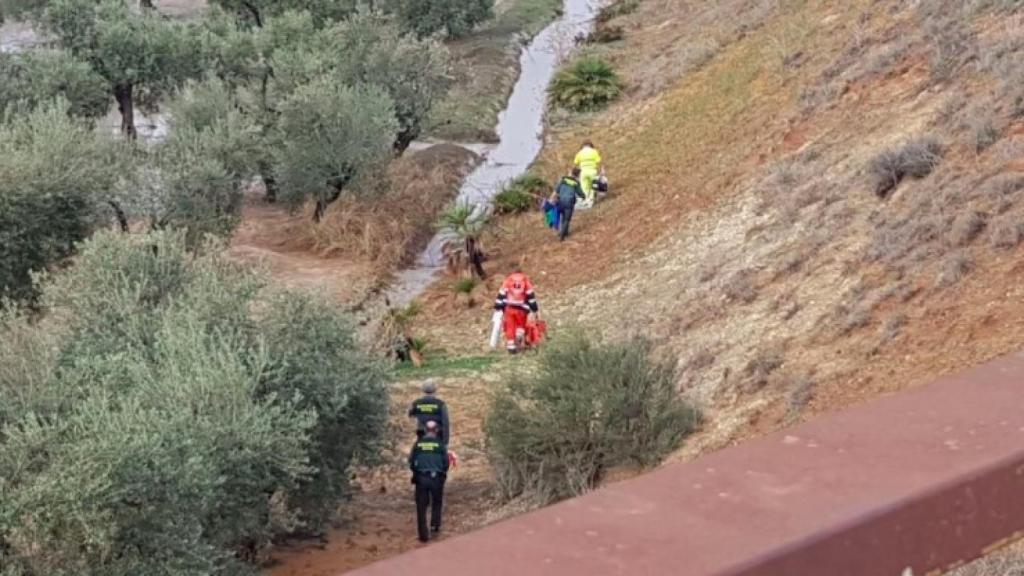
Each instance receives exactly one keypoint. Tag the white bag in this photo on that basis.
(496, 320)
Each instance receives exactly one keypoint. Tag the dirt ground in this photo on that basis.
(380, 520)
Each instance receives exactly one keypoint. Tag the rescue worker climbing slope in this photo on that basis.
(429, 463)
(588, 160)
(430, 408)
(517, 300)
(565, 195)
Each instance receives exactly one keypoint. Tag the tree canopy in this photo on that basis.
(453, 18)
(140, 55)
(330, 135)
(159, 427)
(55, 177)
(34, 77)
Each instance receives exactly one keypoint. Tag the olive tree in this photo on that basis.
(257, 12)
(243, 58)
(453, 18)
(331, 134)
(55, 178)
(153, 425)
(33, 77)
(371, 49)
(139, 54)
(196, 175)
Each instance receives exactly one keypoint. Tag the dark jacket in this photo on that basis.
(429, 408)
(429, 455)
(568, 190)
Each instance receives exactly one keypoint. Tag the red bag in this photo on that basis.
(536, 330)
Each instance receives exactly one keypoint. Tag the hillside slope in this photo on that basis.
(751, 231)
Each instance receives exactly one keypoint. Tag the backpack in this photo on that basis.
(567, 191)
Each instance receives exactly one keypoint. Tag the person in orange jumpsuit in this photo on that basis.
(516, 300)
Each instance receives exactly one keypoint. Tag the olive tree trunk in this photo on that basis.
(126, 106)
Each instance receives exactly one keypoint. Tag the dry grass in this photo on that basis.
(1006, 233)
(389, 225)
(1008, 562)
(799, 393)
(914, 159)
(954, 269)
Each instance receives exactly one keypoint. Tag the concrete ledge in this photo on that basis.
(922, 480)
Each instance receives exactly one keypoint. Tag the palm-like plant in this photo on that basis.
(587, 85)
(461, 228)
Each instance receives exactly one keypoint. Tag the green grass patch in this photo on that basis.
(486, 65)
(443, 366)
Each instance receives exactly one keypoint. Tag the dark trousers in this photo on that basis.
(429, 492)
(565, 217)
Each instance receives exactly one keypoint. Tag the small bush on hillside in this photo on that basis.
(956, 267)
(892, 326)
(616, 9)
(984, 132)
(799, 393)
(967, 227)
(152, 425)
(915, 159)
(513, 201)
(466, 285)
(588, 407)
(520, 195)
(606, 33)
(1006, 233)
(587, 85)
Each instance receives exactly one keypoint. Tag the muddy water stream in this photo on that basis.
(520, 130)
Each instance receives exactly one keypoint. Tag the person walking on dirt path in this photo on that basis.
(430, 408)
(428, 461)
(565, 195)
(588, 160)
(516, 300)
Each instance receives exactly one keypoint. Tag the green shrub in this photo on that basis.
(55, 177)
(466, 285)
(588, 84)
(454, 18)
(35, 77)
(520, 195)
(589, 406)
(152, 424)
(311, 348)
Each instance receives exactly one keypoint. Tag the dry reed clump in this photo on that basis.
(388, 223)
(914, 159)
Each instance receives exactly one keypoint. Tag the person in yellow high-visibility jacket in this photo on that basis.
(588, 160)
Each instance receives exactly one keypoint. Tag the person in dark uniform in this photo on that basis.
(567, 191)
(428, 461)
(430, 408)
